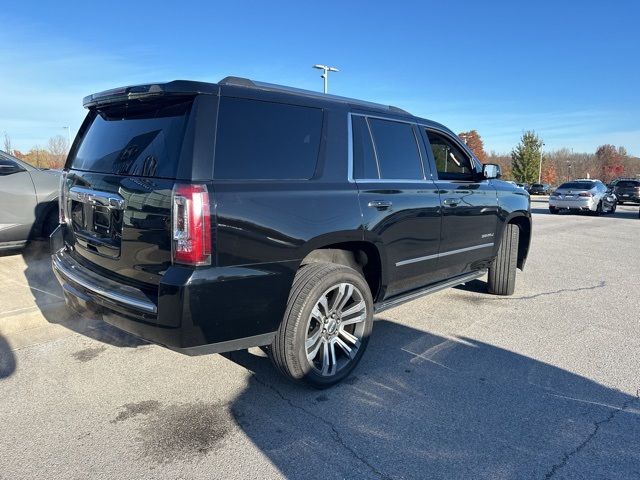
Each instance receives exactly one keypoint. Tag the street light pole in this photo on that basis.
(540, 165)
(325, 75)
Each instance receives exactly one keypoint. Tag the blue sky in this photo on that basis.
(569, 70)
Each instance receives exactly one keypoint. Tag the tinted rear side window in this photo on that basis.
(396, 149)
(266, 141)
(364, 160)
(627, 184)
(137, 139)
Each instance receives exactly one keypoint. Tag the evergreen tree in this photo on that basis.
(525, 158)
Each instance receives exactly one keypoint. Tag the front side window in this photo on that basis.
(7, 163)
(259, 140)
(396, 149)
(452, 163)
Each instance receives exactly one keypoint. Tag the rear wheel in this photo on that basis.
(553, 210)
(326, 326)
(613, 208)
(599, 209)
(502, 272)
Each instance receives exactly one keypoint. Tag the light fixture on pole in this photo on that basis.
(325, 75)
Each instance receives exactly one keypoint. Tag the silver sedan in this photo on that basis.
(583, 195)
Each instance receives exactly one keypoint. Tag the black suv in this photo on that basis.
(540, 189)
(216, 217)
(627, 191)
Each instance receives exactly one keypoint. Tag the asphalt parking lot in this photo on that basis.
(460, 384)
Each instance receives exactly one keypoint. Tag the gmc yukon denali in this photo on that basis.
(215, 217)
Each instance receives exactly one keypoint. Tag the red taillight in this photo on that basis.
(585, 194)
(191, 225)
(62, 198)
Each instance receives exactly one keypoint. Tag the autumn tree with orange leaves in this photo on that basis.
(610, 159)
(549, 173)
(475, 144)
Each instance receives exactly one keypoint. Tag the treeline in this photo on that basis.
(51, 156)
(522, 164)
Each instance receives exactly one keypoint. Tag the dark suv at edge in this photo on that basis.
(627, 190)
(216, 217)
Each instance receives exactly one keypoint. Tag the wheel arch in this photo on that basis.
(43, 210)
(523, 222)
(363, 256)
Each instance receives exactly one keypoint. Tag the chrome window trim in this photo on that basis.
(443, 254)
(373, 144)
(350, 178)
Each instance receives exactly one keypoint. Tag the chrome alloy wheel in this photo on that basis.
(335, 329)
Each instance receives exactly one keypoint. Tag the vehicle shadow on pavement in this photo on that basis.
(423, 406)
(49, 298)
(7, 359)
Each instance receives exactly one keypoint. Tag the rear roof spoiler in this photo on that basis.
(140, 92)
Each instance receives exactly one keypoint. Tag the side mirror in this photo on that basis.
(10, 168)
(491, 170)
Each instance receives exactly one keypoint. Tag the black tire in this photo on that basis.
(502, 272)
(613, 208)
(599, 209)
(288, 351)
(553, 210)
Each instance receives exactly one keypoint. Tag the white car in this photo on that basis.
(583, 195)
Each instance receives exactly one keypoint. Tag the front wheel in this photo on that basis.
(502, 272)
(326, 326)
(553, 210)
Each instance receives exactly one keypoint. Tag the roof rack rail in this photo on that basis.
(245, 82)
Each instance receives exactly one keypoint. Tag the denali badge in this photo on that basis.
(487, 235)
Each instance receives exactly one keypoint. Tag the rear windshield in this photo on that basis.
(627, 183)
(578, 185)
(139, 139)
(537, 185)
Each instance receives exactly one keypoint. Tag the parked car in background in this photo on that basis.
(307, 214)
(627, 191)
(540, 189)
(583, 195)
(28, 202)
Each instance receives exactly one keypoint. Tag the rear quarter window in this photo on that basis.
(259, 140)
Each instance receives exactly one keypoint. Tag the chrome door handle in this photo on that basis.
(451, 202)
(380, 204)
